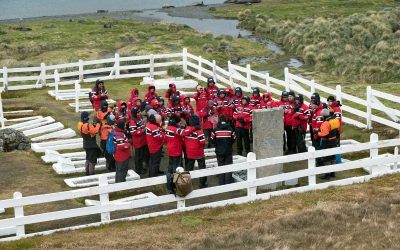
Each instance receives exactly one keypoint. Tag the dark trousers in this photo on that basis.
(242, 135)
(155, 161)
(110, 161)
(174, 162)
(300, 137)
(202, 165)
(222, 160)
(290, 140)
(207, 134)
(315, 142)
(121, 170)
(141, 156)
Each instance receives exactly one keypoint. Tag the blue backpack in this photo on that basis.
(110, 147)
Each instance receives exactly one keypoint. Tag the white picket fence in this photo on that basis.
(361, 110)
(376, 164)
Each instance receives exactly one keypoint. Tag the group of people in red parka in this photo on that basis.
(220, 117)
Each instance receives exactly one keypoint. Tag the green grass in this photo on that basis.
(60, 41)
(294, 9)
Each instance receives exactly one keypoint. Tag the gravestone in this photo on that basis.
(268, 141)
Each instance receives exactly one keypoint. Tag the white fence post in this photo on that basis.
(56, 82)
(180, 204)
(77, 92)
(184, 60)
(199, 70)
(312, 83)
(396, 153)
(230, 74)
(373, 151)
(80, 71)
(104, 199)
(5, 78)
(339, 93)
(251, 174)
(369, 108)
(151, 65)
(2, 121)
(287, 79)
(312, 180)
(248, 77)
(43, 74)
(116, 66)
(214, 69)
(267, 82)
(18, 213)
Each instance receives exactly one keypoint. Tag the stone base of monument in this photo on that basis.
(93, 180)
(148, 195)
(268, 141)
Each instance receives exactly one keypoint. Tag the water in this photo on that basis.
(15, 9)
(215, 26)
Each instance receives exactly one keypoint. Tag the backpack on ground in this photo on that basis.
(110, 147)
(183, 183)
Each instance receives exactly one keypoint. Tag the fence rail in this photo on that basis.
(378, 165)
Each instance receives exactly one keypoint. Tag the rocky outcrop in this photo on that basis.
(243, 1)
(11, 139)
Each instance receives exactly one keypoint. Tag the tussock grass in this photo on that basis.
(362, 47)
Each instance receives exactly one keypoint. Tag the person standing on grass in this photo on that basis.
(212, 89)
(288, 123)
(155, 139)
(209, 120)
(122, 152)
(243, 117)
(194, 141)
(97, 94)
(137, 130)
(174, 143)
(104, 132)
(89, 132)
(300, 120)
(201, 97)
(151, 94)
(223, 137)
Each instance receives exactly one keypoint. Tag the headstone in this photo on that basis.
(268, 141)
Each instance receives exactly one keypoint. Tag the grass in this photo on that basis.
(356, 216)
(60, 41)
(294, 9)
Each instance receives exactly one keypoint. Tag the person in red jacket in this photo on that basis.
(171, 92)
(267, 101)
(138, 132)
(222, 106)
(212, 89)
(122, 113)
(230, 94)
(284, 99)
(187, 109)
(201, 97)
(317, 119)
(151, 93)
(174, 143)
(237, 99)
(243, 117)
(195, 140)
(209, 120)
(155, 138)
(255, 100)
(132, 100)
(175, 107)
(162, 107)
(287, 122)
(300, 120)
(122, 152)
(97, 94)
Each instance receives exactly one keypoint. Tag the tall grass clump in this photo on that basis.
(362, 47)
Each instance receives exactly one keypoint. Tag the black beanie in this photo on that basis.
(152, 119)
(85, 116)
(194, 120)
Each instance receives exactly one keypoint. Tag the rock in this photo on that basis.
(11, 139)
(201, 4)
(23, 28)
(165, 6)
(102, 11)
(82, 21)
(108, 25)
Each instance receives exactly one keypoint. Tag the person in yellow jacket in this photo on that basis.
(89, 132)
(329, 133)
